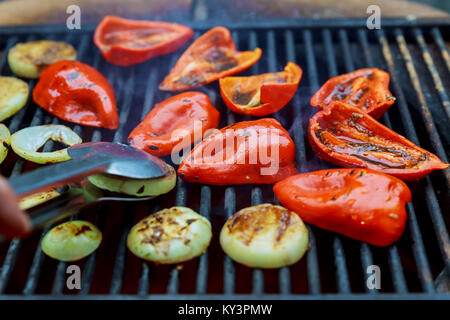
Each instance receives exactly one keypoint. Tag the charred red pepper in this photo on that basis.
(366, 89)
(209, 58)
(344, 135)
(262, 94)
(155, 133)
(126, 42)
(359, 203)
(259, 151)
(76, 92)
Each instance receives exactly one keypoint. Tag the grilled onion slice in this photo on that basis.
(170, 236)
(27, 141)
(29, 59)
(71, 241)
(264, 236)
(136, 187)
(13, 96)
(37, 198)
(5, 141)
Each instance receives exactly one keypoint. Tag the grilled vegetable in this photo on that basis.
(13, 96)
(259, 151)
(76, 92)
(5, 141)
(346, 136)
(262, 94)
(125, 42)
(72, 240)
(156, 133)
(365, 89)
(264, 236)
(29, 59)
(136, 187)
(209, 58)
(37, 199)
(359, 203)
(27, 141)
(170, 236)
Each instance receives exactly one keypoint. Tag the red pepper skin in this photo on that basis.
(366, 89)
(153, 134)
(359, 203)
(343, 135)
(76, 92)
(275, 90)
(209, 58)
(219, 169)
(126, 42)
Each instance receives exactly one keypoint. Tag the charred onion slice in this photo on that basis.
(27, 141)
(346, 136)
(37, 198)
(29, 59)
(72, 240)
(13, 96)
(170, 236)
(264, 236)
(136, 187)
(5, 141)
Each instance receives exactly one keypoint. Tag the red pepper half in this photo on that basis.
(366, 89)
(262, 94)
(76, 92)
(345, 136)
(259, 151)
(155, 133)
(359, 203)
(126, 42)
(209, 58)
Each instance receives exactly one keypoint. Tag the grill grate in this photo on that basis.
(335, 267)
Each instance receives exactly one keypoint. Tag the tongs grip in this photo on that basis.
(57, 175)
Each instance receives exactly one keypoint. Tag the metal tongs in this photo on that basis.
(76, 192)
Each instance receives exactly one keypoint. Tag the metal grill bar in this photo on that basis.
(427, 58)
(441, 45)
(366, 252)
(425, 110)
(312, 262)
(339, 255)
(418, 247)
(230, 209)
(430, 196)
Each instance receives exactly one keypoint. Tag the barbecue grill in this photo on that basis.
(416, 55)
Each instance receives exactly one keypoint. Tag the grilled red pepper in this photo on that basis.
(209, 58)
(262, 94)
(155, 133)
(344, 135)
(76, 92)
(366, 89)
(126, 42)
(259, 151)
(359, 203)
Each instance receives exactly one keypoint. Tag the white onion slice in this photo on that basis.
(5, 141)
(27, 141)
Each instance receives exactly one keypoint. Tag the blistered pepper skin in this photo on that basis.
(348, 137)
(210, 57)
(126, 42)
(156, 133)
(233, 164)
(76, 92)
(261, 94)
(366, 89)
(359, 203)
